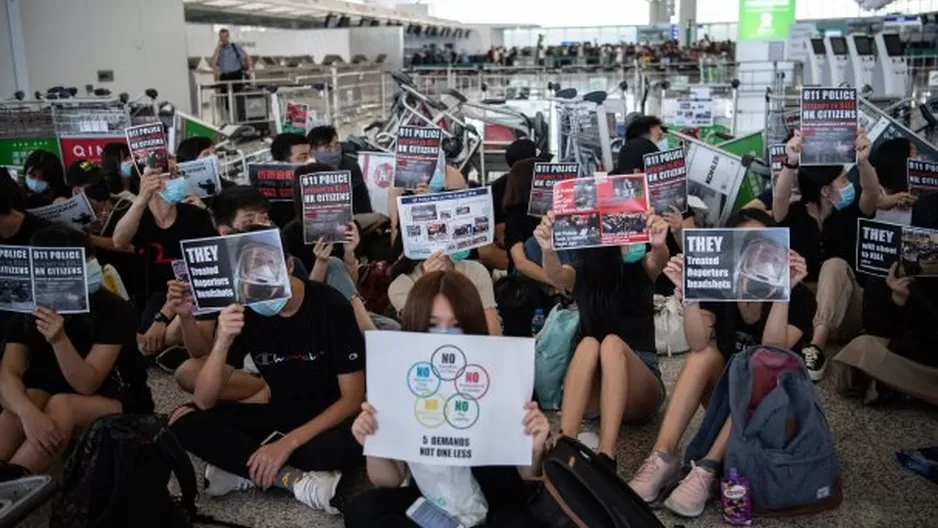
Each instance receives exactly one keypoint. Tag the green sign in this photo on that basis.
(753, 184)
(13, 151)
(765, 19)
(192, 127)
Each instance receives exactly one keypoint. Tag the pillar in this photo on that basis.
(687, 19)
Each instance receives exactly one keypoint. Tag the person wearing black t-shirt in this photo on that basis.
(445, 302)
(615, 363)
(44, 179)
(327, 150)
(311, 354)
(293, 149)
(61, 372)
(714, 332)
(823, 228)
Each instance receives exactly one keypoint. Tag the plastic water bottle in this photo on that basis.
(737, 501)
(537, 322)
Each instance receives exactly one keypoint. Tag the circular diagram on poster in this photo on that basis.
(422, 380)
(473, 382)
(462, 412)
(448, 362)
(430, 411)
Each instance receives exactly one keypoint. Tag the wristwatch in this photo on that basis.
(789, 165)
(160, 317)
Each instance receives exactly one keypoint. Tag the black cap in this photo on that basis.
(632, 155)
(82, 173)
(519, 150)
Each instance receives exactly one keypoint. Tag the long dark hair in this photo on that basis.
(462, 295)
(518, 190)
(891, 160)
(49, 166)
(112, 156)
(603, 280)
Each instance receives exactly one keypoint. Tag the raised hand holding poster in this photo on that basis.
(454, 400)
(418, 152)
(41, 276)
(148, 147)
(737, 264)
(666, 173)
(600, 211)
(327, 205)
(273, 180)
(829, 126)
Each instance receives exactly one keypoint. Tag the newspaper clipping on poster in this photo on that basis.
(736, 265)
(666, 173)
(296, 118)
(76, 212)
(327, 206)
(273, 180)
(418, 152)
(600, 211)
(40, 276)
(453, 400)
(148, 147)
(828, 126)
(449, 222)
(923, 177)
(546, 175)
(202, 176)
(880, 244)
(694, 113)
(246, 268)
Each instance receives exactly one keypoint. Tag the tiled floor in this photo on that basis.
(877, 491)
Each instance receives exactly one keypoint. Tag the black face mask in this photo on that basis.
(98, 191)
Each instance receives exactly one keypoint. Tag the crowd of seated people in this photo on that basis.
(297, 366)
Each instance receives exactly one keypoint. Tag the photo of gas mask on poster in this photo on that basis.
(736, 265)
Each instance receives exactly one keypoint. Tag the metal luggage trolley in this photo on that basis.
(582, 131)
(86, 125)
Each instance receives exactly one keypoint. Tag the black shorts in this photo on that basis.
(133, 401)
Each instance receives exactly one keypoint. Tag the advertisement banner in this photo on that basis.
(13, 151)
(75, 148)
(765, 19)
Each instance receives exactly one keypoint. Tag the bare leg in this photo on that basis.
(629, 391)
(11, 428)
(361, 315)
(241, 386)
(68, 411)
(718, 449)
(577, 385)
(693, 386)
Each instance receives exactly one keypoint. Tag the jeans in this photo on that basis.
(534, 253)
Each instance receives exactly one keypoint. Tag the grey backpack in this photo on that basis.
(783, 444)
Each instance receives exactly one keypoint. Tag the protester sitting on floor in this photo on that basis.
(648, 127)
(714, 332)
(900, 313)
(764, 200)
(823, 228)
(496, 256)
(614, 368)
(197, 147)
(122, 178)
(450, 179)
(60, 373)
(153, 226)
(891, 161)
(327, 150)
(311, 355)
(44, 179)
(287, 148)
(445, 302)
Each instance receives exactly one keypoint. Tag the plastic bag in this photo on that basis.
(452, 489)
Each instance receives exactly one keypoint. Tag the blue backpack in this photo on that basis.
(552, 354)
(785, 447)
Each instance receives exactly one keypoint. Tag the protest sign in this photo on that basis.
(202, 176)
(40, 276)
(542, 184)
(246, 268)
(736, 264)
(667, 180)
(273, 180)
(296, 118)
(880, 244)
(923, 177)
(715, 177)
(418, 152)
(600, 211)
(148, 147)
(327, 205)
(828, 126)
(694, 113)
(449, 221)
(182, 275)
(777, 158)
(453, 400)
(378, 171)
(76, 212)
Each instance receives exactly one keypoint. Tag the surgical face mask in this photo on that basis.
(847, 195)
(663, 144)
(128, 169)
(635, 254)
(450, 330)
(175, 191)
(438, 181)
(95, 275)
(36, 186)
(329, 157)
(269, 308)
(460, 255)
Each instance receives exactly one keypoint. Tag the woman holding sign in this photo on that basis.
(715, 331)
(446, 302)
(615, 366)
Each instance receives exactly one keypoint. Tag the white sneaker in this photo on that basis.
(316, 489)
(219, 482)
(589, 439)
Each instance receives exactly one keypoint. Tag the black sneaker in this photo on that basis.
(814, 361)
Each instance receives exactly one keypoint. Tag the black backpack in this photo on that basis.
(118, 475)
(518, 298)
(581, 491)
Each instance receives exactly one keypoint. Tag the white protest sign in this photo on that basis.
(378, 170)
(202, 176)
(933, 79)
(75, 212)
(693, 113)
(447, 221)
(450, 400)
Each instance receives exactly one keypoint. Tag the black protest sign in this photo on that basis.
(417, 154)
(919, 252)
(546, 175)
(923, 177)
(273, 180)
(246, 268)
(327, 205)
(829, 126)
(736, 265)
(666, 173)
(148, 146)
(777, 158)
(878, 245)
(53, 278)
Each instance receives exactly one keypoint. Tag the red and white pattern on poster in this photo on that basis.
(499, 134)
(87, 147)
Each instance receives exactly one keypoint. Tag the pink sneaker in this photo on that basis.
(653, 475)
(689, 498)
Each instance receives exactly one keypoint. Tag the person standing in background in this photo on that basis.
(231, 63)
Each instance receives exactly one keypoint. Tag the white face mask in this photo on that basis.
(264, 274)
(663, 144)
